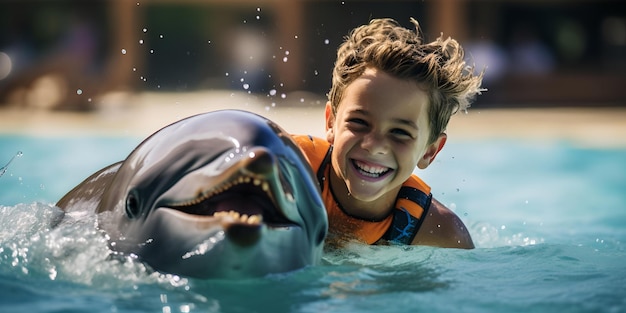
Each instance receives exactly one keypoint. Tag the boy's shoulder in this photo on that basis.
(416, 182)
(443, 228)
(308, 140)
(314, 149)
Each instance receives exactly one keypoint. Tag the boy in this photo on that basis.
(390, 102)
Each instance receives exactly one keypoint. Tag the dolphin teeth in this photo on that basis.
(255, 219)
(240, 218)
(242, 179)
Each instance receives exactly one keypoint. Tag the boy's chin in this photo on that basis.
(368, 191)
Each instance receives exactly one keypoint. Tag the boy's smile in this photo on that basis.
(370, 171)
(380, 133)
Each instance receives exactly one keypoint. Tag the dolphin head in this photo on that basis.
(221, 194)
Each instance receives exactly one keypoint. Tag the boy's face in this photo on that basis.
(380, 133)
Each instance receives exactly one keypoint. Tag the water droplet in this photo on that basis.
(141, 41)
(134, 69)
(301, 100)
(246, 86)
(315, 73)
(19, 154)
(258, 17)
(123, 51)
(273, 92)
(161, 36)
(151, 51)
(226, 73)
(282, 95)
(287, 52)
(79, 92)
(89, 100)
(145, 30)
(285, 59)
(326, 41)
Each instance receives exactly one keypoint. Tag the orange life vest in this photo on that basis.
(401, 226)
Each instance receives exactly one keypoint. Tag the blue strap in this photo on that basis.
(404, 226)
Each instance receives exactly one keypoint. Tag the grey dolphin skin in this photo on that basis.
(223, 194)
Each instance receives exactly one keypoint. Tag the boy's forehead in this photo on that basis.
(377, 85)
(376, 92)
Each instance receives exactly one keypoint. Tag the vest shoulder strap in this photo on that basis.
(404, 226)
(318, 153)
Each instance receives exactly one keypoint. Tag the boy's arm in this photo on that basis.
(443, 228)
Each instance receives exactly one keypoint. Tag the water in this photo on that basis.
(547, 218)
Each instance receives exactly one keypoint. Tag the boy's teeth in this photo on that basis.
(373, 171)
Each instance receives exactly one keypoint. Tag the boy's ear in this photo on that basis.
(431, 151)
(330, 122)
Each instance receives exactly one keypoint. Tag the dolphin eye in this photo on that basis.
(132, 206)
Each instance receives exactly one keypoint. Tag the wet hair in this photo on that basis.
(438, 67)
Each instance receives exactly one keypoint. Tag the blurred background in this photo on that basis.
(68, 54)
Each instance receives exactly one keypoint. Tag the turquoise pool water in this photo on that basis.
(548, 220)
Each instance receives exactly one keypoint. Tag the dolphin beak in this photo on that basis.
(242, 198)
(202, 227)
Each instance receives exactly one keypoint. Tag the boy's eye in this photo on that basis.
(401, 133)
(357, 122)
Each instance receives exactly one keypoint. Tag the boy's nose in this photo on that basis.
(375, 143)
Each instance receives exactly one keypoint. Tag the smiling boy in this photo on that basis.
(391, 99)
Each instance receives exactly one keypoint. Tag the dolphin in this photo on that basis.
(224, 194)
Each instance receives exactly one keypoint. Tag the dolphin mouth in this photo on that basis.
(242, 201)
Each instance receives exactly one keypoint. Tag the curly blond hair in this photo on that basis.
(438, 66)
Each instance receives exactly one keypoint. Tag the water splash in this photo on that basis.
(73, 251)
(6, 167)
